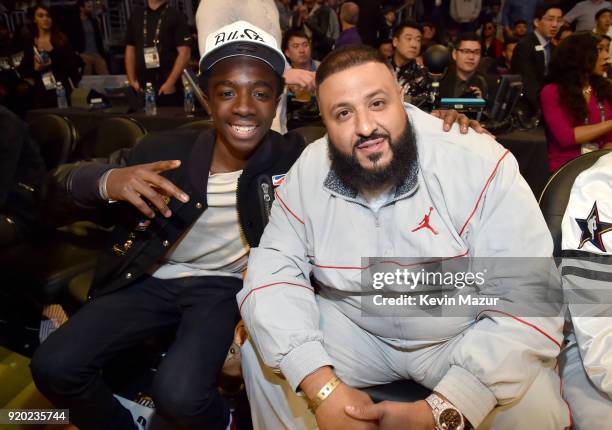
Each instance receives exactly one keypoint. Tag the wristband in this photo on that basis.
(324, 393)
(102, 186)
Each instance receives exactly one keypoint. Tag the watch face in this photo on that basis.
(450, 419)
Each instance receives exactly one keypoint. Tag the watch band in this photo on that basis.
(438, 407)
(324, 393)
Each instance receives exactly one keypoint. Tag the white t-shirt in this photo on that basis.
(214, 245)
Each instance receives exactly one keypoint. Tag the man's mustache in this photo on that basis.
(373, 136)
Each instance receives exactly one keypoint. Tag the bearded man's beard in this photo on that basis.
(353, 175)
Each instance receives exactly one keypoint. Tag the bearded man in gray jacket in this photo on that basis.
(386, 183)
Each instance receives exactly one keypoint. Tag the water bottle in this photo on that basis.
(188, 101)
(150, 106)
(60, 92)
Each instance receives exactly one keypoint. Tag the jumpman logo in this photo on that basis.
(425, 223)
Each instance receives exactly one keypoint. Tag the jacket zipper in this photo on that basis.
(267, 200)
(244, 236)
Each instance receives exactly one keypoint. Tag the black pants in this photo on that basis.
(67, 366)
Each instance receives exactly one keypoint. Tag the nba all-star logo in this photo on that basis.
(246, 33)
(593, 229)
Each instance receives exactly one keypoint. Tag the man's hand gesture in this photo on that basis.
(134, 184)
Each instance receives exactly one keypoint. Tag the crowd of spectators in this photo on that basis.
(487, 39)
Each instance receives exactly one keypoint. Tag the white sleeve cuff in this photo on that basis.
(102, 186)
(473, 399)
(302, 361)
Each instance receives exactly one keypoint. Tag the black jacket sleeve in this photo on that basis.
(70, 191)
(26, 68)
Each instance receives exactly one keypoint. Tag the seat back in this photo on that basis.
(555, 196)
(56, 136)
(310, 133)
(200, 124)
(116, 133)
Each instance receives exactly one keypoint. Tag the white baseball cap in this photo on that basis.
(242, 39)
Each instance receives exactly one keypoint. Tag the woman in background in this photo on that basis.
(491, 45)
(48, 59)
(577, 102)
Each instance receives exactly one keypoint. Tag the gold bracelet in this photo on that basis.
(324, 393)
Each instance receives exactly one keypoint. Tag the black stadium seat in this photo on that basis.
(203, 123)
(310, 133)
(556, 193)
(41, 268)
(76, 294)
(56, 136)
(116, 133)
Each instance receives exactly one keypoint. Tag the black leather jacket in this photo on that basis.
(136, 245)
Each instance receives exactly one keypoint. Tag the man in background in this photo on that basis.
(158, 47)
(387, 27)
(86, 39)
(284, 14)
(603, 19)
(533, 54)
(370, 17)
(349, 17)
(505, 62)
(515, 10)
(519, 29)
(583, 14)
(412, 77)
(385, 48)
(296, 47)
(407, 43)
(323, 28)
(463, 80)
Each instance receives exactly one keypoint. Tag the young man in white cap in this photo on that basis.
(181, 266)
(214, 14)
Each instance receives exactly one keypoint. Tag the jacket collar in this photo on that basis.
(540, 39)
(201, 155)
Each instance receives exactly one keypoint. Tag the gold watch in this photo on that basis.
(446, 416)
